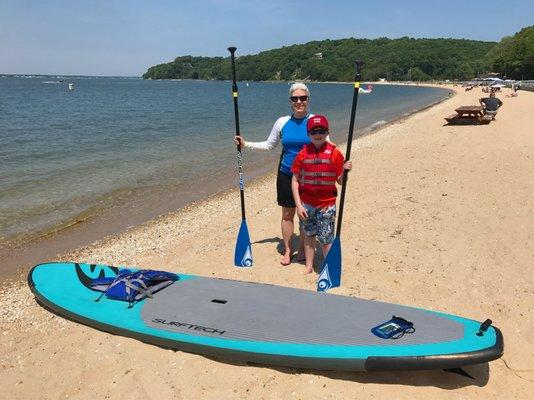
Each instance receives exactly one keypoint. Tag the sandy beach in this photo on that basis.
(436, 216)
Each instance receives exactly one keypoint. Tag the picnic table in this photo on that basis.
(469, 114)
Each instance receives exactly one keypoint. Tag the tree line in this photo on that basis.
(513, 57)
(404, 59)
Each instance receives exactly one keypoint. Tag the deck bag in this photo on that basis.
(134, 286)
(101, 284)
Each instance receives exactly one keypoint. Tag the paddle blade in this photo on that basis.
(243, 252)
(330, 275)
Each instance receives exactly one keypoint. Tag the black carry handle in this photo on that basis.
(236, 117)
(484, 327)
(357, 80)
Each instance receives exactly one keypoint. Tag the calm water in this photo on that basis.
(65, 154)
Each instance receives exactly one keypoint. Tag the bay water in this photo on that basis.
(68, 155)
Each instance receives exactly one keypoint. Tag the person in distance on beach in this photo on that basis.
(514, 93)
(291, 131)
(491, 104)
(317, 168)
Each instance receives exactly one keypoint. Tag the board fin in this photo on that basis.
(459, 371)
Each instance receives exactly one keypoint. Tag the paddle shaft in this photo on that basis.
(236, 117)
(357, 80)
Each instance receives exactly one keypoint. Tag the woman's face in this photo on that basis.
(300, 105)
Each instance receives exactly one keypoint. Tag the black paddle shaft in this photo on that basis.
(236, 117)
(357, 80)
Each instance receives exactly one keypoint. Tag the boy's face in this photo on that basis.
(318, 136)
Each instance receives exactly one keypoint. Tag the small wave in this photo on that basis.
(374, 126)
(51, 81)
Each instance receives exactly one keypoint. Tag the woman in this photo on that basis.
(291, 131)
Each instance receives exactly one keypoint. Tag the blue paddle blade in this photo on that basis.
(243, 251)
(330, 275)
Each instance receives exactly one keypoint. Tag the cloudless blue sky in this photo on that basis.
(125, 37)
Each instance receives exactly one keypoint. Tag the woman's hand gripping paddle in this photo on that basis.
(330, 275)
(243, 252)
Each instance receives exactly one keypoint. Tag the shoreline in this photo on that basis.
(437, 217)
(94, 225)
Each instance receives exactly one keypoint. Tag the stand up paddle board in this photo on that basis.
(267, 324)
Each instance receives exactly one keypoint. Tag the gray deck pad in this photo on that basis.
(227, 309)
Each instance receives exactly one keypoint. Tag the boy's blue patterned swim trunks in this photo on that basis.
(320, 222)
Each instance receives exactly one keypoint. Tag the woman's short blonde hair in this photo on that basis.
(298, 86)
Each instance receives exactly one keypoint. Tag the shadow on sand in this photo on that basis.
(437, 378)
(317, 262)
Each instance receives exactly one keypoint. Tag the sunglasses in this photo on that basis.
(294, 99)
(318, 132)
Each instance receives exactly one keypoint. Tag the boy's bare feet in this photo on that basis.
(308, 270)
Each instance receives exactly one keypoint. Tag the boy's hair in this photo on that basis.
(297, 86)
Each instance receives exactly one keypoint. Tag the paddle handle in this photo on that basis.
(235, 93)
(237, 131)
(357, 79)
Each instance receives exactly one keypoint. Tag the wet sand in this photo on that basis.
(438, 217)
(127, 209)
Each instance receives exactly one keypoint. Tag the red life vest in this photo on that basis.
(318, 173)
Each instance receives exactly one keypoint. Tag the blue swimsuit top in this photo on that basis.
(294, 136)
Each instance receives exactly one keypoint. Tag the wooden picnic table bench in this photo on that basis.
(469, 114)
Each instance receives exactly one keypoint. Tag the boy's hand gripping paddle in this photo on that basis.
(243, 252)
(330, 275)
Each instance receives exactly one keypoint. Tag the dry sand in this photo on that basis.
(438, 217)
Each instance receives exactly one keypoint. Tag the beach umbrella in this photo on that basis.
(243, 251)
(330, 275)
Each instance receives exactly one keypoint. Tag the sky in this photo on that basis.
(126, 37)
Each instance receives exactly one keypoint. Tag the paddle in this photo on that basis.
(243, 253)
(330, 275)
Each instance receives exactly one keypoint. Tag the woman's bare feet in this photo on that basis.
(286, 259)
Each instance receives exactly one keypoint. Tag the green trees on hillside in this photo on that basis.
(393, 59)
(513, 57)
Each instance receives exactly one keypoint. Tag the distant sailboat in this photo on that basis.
(368, 90)
(71, 86)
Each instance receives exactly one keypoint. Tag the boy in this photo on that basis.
(316, 169)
